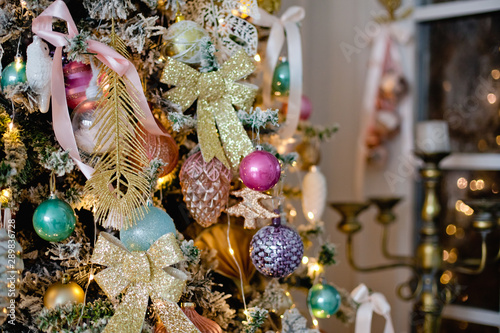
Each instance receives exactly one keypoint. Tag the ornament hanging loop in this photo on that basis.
(52, 183)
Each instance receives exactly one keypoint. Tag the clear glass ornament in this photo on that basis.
(82, 120)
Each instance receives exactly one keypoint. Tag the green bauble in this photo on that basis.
(145, 232)
(14, 73)
(281, 79)
(54, 220)
(323, 300)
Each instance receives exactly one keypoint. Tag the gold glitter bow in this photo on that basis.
(140, 275)
(216, 93)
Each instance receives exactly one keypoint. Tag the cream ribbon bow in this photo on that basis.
(288, 22)
(375, 302)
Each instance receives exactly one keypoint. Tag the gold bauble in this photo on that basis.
(63, 292)
(270, 6)
(309, 154)
(215, 237)
(183, 42)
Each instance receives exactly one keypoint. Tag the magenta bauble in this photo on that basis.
(260, 170)
(77, 77)
(305, 108)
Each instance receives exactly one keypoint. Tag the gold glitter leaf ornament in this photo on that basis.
(220, 133)
(140, 275)
(250, 208)
(118, 184)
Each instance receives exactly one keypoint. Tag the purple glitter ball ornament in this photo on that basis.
(276, 250)
(260, 170)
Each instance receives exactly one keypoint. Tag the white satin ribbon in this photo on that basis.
(6, 217)
(375, 302)
(288, 22)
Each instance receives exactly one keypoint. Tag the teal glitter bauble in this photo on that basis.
(323, 300)
(54, 220)
(146, 231)
(14, 73)
(281, 79)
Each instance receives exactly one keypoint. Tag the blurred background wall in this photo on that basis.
(335, 85)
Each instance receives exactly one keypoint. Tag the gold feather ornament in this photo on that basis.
(118, 184)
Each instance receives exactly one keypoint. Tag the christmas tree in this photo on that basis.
(148, 149)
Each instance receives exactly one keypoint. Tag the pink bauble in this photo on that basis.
(162, 147)
(305, 108)
(260, 170)
(77, 77)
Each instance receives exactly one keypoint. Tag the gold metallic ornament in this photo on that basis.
(270, 6)
(183, 41)
(216, 93)
(215, 237)
(63, 292)
(309, 154)
(179, 17)
(140, 275)
(250, 208)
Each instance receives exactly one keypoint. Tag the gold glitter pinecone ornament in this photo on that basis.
(10, 266)
(205, 187)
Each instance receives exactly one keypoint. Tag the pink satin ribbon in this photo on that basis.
(287, 22)
(42, 26)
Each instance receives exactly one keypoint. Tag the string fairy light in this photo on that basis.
(91, 274)
(231, 252)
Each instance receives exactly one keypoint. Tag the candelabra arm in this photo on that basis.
(482, 263)
(385, 250)
(350, 259)
(415, 293)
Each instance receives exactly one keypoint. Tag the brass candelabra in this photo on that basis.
(424, 288)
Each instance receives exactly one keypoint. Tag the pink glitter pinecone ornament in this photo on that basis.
(205, 187)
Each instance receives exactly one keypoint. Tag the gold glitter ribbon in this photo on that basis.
(216, 92)
(140, 275)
